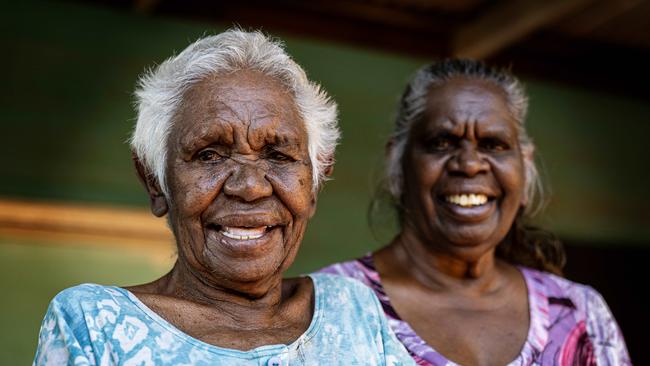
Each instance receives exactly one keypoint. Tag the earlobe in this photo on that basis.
(157, 199)
(329, 166)
(388, 149)
(528, 153)
(159, 205)
(312, 208)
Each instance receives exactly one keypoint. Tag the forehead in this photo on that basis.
(243, 99)
(463, 100)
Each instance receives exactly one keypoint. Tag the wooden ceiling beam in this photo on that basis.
(507, 23)
(602, 12)
(373, 13)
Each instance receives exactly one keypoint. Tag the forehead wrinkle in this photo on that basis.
(206, 133)
(494, 129)
(445, 123)
(275, 136)
(273, 127)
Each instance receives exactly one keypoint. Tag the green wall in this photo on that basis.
(69, 71)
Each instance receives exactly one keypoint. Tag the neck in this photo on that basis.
(250, 304)
(471, 269)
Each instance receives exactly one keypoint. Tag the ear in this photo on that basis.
(388, 149)
(329, 169)
(157, 199)
(528, 156)
(312, 204)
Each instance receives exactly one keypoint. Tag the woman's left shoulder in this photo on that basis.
(337, 294)
(329, 284)
(559, 289)
(567, 302)
(350, 311)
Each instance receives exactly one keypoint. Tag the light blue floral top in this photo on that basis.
(104, 325)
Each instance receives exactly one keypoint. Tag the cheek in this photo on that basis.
(292, 184)
(511, 176)
(425, 170)
(196, 188)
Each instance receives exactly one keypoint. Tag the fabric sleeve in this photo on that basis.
(395, 354)
(57, 343)
(604, 332)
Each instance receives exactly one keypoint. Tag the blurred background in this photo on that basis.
(72, 209)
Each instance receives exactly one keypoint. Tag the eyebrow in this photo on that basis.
(490, 131)
(289, 141)
(444, 127)
(212, 133)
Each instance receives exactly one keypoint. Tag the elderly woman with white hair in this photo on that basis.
(233, 143)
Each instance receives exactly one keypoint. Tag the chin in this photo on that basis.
(472, 237)
(244, 274)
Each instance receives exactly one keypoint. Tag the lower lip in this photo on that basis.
(244, 246)
(470, 213)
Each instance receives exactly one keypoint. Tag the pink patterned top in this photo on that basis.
(570, 324)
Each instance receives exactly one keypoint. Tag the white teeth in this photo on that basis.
(467, 200)
(243, 233)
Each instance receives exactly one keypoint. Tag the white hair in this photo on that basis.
(160, 92)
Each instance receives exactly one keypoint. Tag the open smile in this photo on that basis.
(467, 200)
(245, 233)
(468, 206)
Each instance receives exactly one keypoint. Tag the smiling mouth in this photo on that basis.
(242, 233)
(467, 199)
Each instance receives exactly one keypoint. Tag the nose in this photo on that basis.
(248, 182)
(467, 161)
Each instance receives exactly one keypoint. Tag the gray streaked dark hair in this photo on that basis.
(412, 108)
(525, 244)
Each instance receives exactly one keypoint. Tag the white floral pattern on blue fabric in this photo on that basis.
(100, 325)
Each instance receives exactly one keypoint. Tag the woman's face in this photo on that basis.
(463, 168)
(240, 179)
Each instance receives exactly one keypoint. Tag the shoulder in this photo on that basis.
(590, 313)
(76, 318)
(361, 269)
(336, 293)
(341, 268)
(559, 289)
(329, 284)
(352, 315)
(75, 303)
(88, 292)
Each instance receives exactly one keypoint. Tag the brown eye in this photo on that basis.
(493, 144)
(442, 143)
(208, 155)
(279, 157)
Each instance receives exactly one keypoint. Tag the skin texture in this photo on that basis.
(440, 272)
(237, 157)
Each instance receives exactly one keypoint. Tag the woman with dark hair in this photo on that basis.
(466, 280)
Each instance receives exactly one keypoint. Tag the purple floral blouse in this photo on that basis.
(570, 324)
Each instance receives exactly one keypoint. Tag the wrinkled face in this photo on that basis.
(240, 178)
(463, 168)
